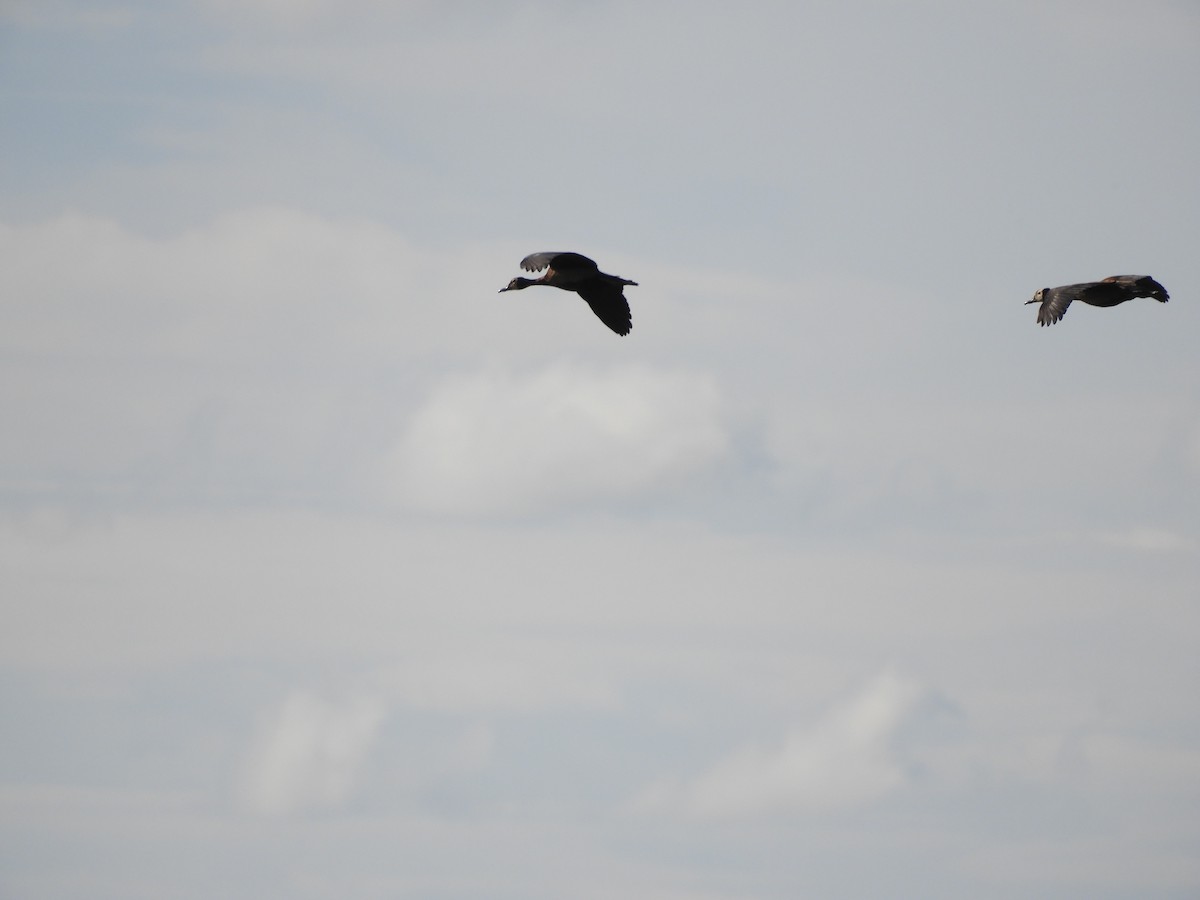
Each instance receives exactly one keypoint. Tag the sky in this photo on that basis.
(327, 571)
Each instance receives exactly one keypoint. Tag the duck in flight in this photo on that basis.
(1111, 291)
(604, 293)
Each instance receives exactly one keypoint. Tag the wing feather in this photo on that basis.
(608, 302)
(1056, 300)
(558, 260)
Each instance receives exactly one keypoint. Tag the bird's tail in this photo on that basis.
(1155, 290)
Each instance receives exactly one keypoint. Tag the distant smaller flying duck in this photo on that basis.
(1109, 292)
(604, 293)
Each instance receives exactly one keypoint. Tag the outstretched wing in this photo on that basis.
(1139, 286)
(559, 261)
(1056, 300)
(608, 302)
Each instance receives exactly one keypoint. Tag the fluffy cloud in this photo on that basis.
(846, 759)
(308, 754)
(503, 443)
(258, 348)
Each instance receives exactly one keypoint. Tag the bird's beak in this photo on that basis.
(1034, 300)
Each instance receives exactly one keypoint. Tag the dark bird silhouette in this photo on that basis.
(573, 272)
(1109, 292)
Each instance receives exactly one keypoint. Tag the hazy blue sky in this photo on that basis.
(329, 572)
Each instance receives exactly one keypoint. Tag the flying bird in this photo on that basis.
(604, 293)
(1109, 292)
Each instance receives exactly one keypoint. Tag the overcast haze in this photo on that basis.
(329, 572)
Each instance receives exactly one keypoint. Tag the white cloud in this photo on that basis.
(307, 755)
(502, 443)
(260, 347)
(846, 759)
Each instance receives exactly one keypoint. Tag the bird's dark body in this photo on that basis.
(604, 293)
(1112, 291)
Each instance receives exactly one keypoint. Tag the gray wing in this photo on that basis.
(1056, 300)
(559, 259)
